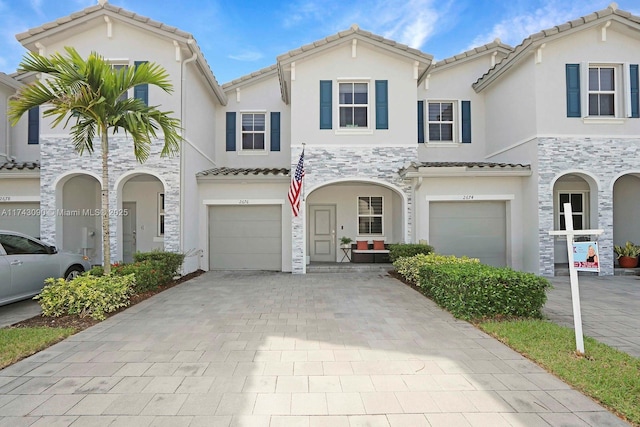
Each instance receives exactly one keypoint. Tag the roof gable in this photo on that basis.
(31, 37)
(611, 13)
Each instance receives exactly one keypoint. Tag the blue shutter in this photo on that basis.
(573, 90)
(275, 131)
(33, 130)
(231, 131)
(141, 91)
(325, 104)
(466, 122)
(382, 105)
(635, 101)
(420, 122)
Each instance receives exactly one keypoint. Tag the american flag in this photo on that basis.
(296, 186)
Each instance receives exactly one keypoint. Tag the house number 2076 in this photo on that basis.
(243, 202)
(467, 197)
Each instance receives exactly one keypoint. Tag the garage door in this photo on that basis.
(245, 237)
(22, 217)
(474, 229)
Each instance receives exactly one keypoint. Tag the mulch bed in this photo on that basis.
(81, 323)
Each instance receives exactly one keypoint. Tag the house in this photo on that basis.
(475, 153)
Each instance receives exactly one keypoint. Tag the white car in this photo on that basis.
(25, 263)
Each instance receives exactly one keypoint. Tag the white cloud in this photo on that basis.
(521, 24)
(248, 56)
(36, 6)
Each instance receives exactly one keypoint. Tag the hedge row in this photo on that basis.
(403, 250)
(470, 290)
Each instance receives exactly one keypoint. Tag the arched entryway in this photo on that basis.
(359, 209)
(581, 190)
(626, 209)
(140, 214)
(77, 215)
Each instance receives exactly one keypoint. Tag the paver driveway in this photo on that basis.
(271, 349)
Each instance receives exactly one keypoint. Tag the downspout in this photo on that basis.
(183, 116)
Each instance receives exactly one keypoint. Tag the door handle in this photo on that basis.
(16, 262)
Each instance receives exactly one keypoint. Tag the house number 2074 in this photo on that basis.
(467, 197)
(243, 202)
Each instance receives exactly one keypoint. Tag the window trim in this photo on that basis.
(266, 132)
(600, 92)
(455, 123)
(622, 93)
(119, 62)
(340, 130)
(585, 208)
(358, 216)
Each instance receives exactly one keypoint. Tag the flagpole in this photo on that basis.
(302, 189)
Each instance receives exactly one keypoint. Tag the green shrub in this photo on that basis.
(400, 250)
(409, 267)
(474, 291)
(86, 295)
(172, 262)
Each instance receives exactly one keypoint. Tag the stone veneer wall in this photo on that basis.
(326, 164)
(603, 158)
(58, 157)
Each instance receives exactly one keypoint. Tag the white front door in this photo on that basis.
(129, 231)
(322, 233)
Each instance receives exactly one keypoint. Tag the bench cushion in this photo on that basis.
(378, 245)
(362, 245)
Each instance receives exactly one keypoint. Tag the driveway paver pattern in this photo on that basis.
(275, 349)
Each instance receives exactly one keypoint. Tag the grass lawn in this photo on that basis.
(18, 343)
(604, 373)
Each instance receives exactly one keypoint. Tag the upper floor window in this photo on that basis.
(441, 123)
(353, 104)
(602, 91)
(33, 128)
(370, 214)
(253, 131)
(119, 67)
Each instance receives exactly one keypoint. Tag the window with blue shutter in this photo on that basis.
(33, 132)
(382, 105)
(573, 90)
(231, 131)
(421, 122)
(325, 104)
(635, 101)
(141, 91)
(466, 122)
(275, 131)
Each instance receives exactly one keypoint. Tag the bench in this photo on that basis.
(369, 255)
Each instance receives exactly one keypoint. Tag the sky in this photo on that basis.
(239, 37)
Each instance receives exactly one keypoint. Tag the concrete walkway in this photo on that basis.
(272, 349)
(610, 308)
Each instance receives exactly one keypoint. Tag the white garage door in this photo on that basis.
(22, 217)
(245, 237)
(474, 229)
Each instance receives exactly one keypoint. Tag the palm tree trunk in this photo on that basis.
(106, 239)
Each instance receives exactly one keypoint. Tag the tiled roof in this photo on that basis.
(141, 21)
(244, 171)
(12, 166)
(89, 10)
(494, 45)
(538, 38)
(470, 165)
(272, 69)
(354, 29)
(9, 81)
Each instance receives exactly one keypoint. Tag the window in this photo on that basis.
(602, 91)
(253, 131)
(578, 209)
(441, 121)
(160, 214)
(33, 129)
(119, 67)
(370, 215)
(18, 245)
(353, 105)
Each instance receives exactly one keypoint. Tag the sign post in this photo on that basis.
(570, 233)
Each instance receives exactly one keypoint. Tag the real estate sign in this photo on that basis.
(585, 256)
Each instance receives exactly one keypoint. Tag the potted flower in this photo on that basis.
(627, 255)
(345, 242)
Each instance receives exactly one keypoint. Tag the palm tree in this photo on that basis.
(90, 94)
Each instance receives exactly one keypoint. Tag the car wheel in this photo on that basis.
(73, 272)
